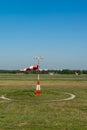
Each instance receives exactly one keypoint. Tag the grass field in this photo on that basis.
(26, 111)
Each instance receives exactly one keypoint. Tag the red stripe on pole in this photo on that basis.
(38, 92)
(38, 82)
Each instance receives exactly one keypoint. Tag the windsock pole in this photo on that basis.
(35, 67)
(38, 91)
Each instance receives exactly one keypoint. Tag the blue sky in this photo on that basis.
(54, 29)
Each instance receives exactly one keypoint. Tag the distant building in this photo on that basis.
(51, 73)
(76, 73)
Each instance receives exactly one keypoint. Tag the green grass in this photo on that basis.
(26, 111)
(42, 77)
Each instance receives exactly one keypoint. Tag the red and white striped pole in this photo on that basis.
(38, 90)
(35, 67)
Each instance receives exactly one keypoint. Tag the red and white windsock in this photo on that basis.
(35, 67)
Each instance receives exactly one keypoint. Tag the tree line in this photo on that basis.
(64, 71)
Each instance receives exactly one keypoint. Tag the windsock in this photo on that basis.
(35, 67)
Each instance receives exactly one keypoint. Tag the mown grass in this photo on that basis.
(42, 77)
(26, 111)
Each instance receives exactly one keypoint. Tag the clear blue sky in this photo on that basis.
(54, 29)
